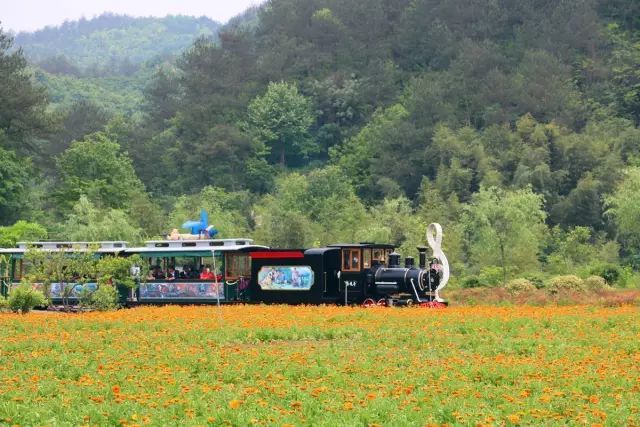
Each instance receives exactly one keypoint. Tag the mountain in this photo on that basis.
(111, 44)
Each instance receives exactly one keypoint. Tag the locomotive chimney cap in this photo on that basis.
(421, 248)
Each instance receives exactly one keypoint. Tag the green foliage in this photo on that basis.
(624, 207)
(505, 228)
(97, 168)
(115, 95)
(319, 208)
(61, 267)
(4, 304)
(611, 273)
(23, 298)
(227, 211)
(595, 283)
(14, 186)
(21, 231)
(519, 286)
(22, 104)
(117, 271)
(88, 223)
(104, 298)
(565, 283)
(280, 119)
(111, 44)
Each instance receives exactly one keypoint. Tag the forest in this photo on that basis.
(514, 124)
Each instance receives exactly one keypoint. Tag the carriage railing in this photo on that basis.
(4, 288)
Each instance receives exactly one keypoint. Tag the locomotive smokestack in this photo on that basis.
(408, 262)
(423, 256)
(394, 260)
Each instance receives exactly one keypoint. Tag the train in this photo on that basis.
(225, 271)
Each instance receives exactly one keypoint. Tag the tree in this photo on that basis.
(82, 118)
(64, 268)
(22, 104)
(98, 169)
(21, 231)
(15, 176)
(505, 228)
(281, 119)
(624, 206)
(227, 211)
(88, 223)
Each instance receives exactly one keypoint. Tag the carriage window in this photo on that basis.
(351, 259)
(366, 258)
(237, 265)
(378, 255)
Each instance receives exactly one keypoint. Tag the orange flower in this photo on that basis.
(235, 404)
(515, 419)
(115, 389)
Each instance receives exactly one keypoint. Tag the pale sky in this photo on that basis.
(30, 15)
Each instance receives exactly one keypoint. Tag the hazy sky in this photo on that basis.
(30, 15)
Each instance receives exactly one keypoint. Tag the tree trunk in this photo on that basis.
(504, 267)
(282, 162)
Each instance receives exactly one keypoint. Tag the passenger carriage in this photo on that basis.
(14, 266)
(182, 263)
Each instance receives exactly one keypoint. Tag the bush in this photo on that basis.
(23, 298)
(519, 286)
(492, 275)
(595, 283)
(565, 283)
(471, 282)
(610, 272)
(536, 279)
(105, 298)
(4, 304)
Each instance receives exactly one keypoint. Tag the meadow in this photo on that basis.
(284, 365)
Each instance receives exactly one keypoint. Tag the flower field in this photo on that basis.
(283, 365)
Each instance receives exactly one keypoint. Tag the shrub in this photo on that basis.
(105, 298)
(536, 279)
(565, 283)
(492, 275)
(610, 272)
(471, 282)
(23, 298)
(4, 304)
(85, 297)
(519, 286)
(595, 283)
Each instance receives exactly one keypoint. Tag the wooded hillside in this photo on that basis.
(512, 123)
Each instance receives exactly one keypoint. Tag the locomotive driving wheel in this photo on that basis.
(368, 303)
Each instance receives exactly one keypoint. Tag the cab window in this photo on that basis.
(366, 258)
(351, 260)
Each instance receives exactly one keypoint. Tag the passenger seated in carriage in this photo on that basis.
(207, 274)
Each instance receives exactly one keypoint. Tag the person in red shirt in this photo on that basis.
(207, 274)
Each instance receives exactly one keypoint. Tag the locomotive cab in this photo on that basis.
(358, 262)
